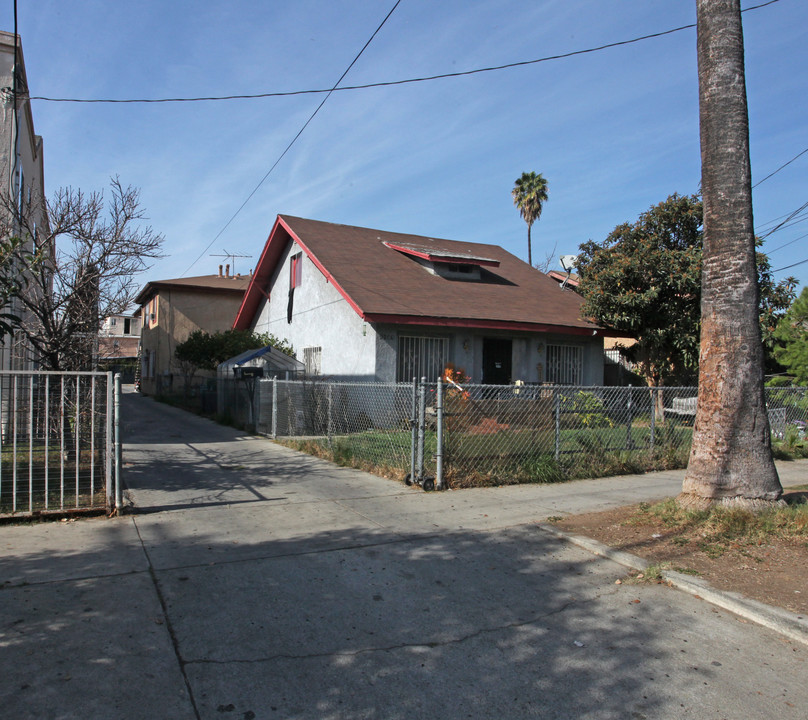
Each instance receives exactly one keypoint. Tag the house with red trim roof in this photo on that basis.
(365, 304)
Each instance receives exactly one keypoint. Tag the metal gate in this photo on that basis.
(58, 450)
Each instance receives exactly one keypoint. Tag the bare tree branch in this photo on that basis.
(79, 254)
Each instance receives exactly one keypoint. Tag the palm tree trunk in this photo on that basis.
(529, 248)
(730, 460)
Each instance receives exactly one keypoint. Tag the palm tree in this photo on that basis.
(529, 195)
(730, 459)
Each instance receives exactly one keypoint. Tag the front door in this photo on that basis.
(497, 356)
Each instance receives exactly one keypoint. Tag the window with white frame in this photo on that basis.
(421, 357)
(564, 364)
(312, 359)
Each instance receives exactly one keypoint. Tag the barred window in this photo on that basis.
(564, 364)
(421, 357)
(312, 359)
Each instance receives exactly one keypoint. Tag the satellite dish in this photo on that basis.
(568, 262)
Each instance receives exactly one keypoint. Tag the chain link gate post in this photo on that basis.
(117, 442)
(419, 462)
(439, 451)
(413, 430)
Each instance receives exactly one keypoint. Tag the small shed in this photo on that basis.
(265, 362)
(239, 392)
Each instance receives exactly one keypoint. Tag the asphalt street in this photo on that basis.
(251, 581)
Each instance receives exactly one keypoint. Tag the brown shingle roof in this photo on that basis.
(386, 285)
(208, 283)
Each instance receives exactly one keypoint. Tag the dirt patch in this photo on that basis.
(774, 572)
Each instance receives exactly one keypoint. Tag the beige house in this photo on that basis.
(170, 310)
(22, 184)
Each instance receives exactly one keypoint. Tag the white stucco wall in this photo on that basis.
(321, 317)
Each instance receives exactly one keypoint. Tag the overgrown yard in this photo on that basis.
(762, 556)
(36, 480)
(508, 457)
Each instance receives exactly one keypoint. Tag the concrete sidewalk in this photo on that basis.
(252, 581)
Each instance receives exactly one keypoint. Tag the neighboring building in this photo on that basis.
(365, 304)
(118, 343)
(170, 310)
(617, 370)
(21, 174)
(119, 337)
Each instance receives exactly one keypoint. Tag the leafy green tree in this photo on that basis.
(645, 280)
(792, 332)
(529, 195)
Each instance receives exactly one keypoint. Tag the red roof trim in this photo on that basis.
(455, 259)
(265, 269)
(486, 324)
(254, 293)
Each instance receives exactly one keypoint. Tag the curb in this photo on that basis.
(788, 624)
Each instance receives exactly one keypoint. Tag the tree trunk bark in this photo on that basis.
(730, 459)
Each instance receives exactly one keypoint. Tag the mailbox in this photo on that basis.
(247, 373)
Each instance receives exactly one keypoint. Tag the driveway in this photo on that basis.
(250, 581)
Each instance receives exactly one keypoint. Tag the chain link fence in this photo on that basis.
(484, 434)
(56, 442)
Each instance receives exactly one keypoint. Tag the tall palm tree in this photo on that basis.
(529, 195)
(730, 459)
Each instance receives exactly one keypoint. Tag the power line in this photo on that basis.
(389, 83)
(788, 267)
(760, 227)
(780, 168)
(782, 224)
(294, 139)
(790, 221)
(790, 242)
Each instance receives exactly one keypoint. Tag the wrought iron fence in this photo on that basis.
(438, 433)
(57, 442)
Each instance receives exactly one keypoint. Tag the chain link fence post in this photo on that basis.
(275, 407)
(557, 413)
(421, 430)
(330, 412)
(629, 416)
(652, 439)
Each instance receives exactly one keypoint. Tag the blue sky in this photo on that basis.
(614, 131)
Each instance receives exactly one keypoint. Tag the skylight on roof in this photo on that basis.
(442, 255)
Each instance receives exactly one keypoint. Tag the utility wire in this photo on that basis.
(294, 139)
(789, 223)
(390, 83)
(760, 227)
(788, 267)
(790, 217)
(790, 242)
(780, 168)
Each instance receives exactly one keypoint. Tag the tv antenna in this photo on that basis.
(232, 257)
